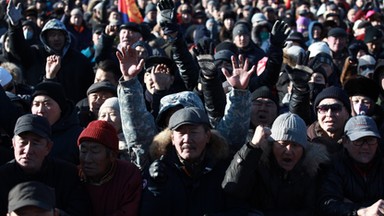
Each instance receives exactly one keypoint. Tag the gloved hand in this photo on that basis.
(14, 13)
(299, 75)
(204, 54)
(167, 18)
(279, 33)
(157, 170)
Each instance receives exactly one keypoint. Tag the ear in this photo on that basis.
(345, 141)
(172, 138)
(49, 145)
(208, 135)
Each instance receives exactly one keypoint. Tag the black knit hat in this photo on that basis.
(264, 92)
(53, 90)
(372, 34)
(333, 92)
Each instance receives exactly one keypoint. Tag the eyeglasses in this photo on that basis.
(368, 140)
(370, 67)
(322, 109)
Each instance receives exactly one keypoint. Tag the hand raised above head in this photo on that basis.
(240, 76)
(129, 66)
(14, 13)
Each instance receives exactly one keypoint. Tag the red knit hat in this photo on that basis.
(101, 132)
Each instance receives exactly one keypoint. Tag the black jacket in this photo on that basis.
(71, 197)
(183, 195)
(349, 186)
(255, 181)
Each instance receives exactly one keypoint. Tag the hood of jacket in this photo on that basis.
(217, 148)
(55, 24)
(310, 30)
(182, 99)
(314, 155)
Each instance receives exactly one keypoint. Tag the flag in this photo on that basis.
(129, 11)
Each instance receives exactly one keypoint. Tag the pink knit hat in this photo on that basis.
(101, 132)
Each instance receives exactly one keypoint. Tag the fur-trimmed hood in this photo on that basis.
(217, 149)
(314, 155)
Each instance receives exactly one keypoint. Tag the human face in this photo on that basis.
(102, 75)
(95, 159)
(337, 43)
(95, 100)
(316, 32)
(152, 16)
(111, 116)
(32, 211)
(263, 112)
(362, 150)
(129, 37)
(56, 40)
(287, 154)
(45, 106)
(141, 53)
(374, 46)
(332, 121)
(241, 41)
(229, 23)
(76, 20)
(361, 104)
(30, 151)
(317, 78)
(190, 141)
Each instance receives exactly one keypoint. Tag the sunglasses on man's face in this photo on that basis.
(336, 108)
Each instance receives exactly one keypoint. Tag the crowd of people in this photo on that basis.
(232, 107)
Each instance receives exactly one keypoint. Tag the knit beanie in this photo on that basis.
(100, 132)
(112, 102)
(240, 28)
(53, 90)
(264, 92)
(290, 127)
(333, 92)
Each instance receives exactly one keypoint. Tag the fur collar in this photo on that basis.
(217, 148)
(314, 155)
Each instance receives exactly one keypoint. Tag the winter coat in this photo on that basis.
(71, 197)
(181, 194)
(254, 180)
(75, 74)
(64, 136)
(349, 186)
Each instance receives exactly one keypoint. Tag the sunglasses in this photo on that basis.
(322, 109)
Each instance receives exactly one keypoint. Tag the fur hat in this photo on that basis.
(101, 132)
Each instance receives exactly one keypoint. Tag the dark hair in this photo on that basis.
(109, 66)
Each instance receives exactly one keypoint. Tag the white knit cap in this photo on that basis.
(5, 77)
(317, 48)
(290, 127)
(112, 102)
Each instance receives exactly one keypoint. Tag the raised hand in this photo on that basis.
(129, 66)
(14, 13)
(161, 77)
(111, 30)
(167, 18)
(260, 137)
(52, 66)
(279, 33)
(240, 77)
(204, 55)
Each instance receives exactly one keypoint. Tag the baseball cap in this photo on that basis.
(102, 86)
(189, 115)
(361, 126)
(31, 193)
(33, 123)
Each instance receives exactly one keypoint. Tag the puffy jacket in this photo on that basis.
(75, 74)
(180, 194)
(255, 181)
(345, 189)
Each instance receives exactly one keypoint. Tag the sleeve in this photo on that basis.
(139, 126)
(240, 175)
(237, 116)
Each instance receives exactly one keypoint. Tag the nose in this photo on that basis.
(27, 148)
